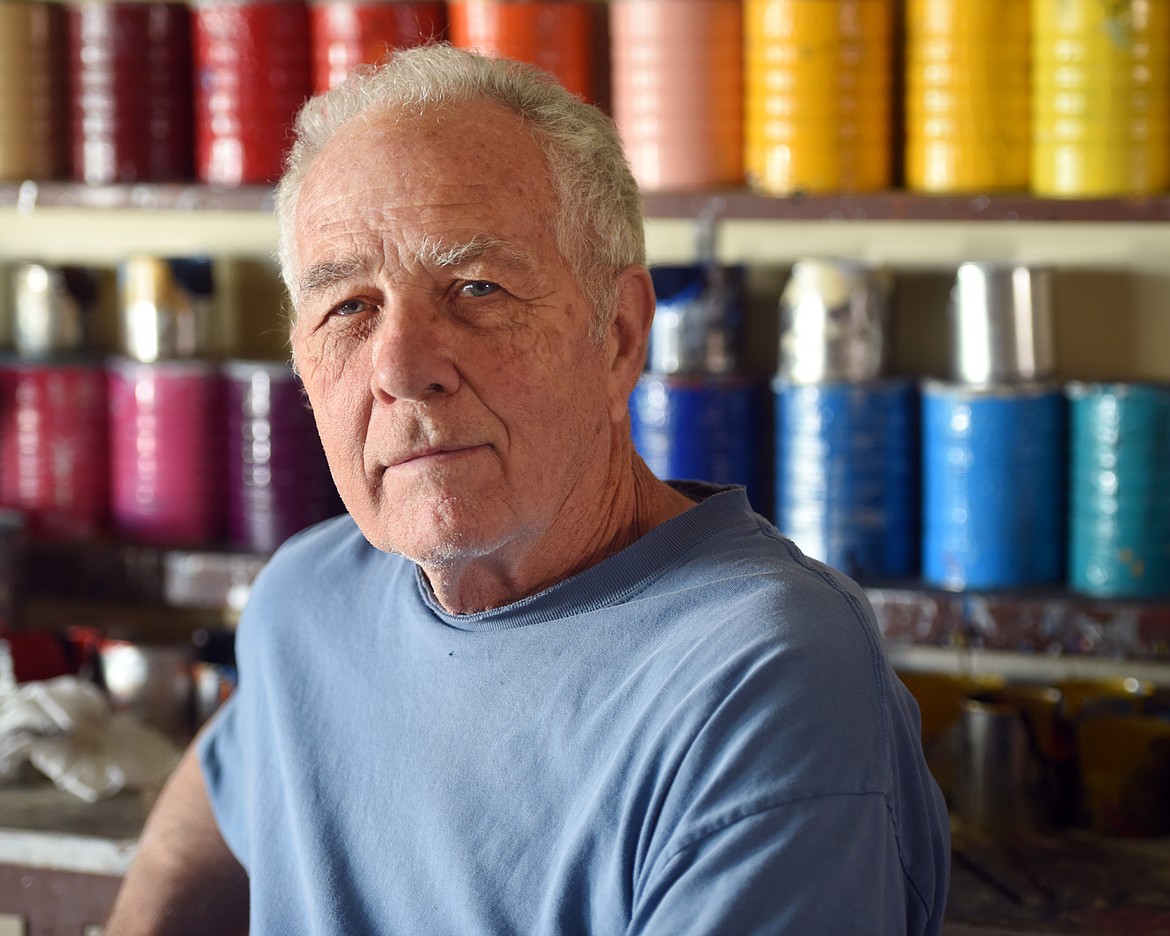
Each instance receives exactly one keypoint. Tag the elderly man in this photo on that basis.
(523, 687)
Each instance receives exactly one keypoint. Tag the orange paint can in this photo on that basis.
(677, 68)
(559, 36)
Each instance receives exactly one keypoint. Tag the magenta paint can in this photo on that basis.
(278, 479)
(53, 465)
(130, 92)
(166, 451)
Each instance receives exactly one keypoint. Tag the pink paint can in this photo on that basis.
(166, 451)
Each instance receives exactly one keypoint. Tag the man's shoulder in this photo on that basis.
(754, 565)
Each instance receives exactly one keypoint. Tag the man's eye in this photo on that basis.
(351, 307)
(478, 288)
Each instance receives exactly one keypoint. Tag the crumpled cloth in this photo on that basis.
(64, 727)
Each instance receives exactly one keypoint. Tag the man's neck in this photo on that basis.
(627, 509)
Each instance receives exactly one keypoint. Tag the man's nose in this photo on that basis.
(412, 354)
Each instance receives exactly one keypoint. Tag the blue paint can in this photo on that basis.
(846, 477)
(993, 507)
(703, 427)
(1119, 498)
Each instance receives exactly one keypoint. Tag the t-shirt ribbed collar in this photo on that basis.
(616, 577)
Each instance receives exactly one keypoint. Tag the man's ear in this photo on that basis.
(628, 336)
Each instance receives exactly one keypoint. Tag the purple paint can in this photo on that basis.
(278, 479)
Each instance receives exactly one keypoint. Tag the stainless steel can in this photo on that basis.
(50, 308)
(834, 317)
(1000, 319)
(165, 307)
(1007, 782)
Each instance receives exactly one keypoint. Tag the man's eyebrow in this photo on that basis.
(321, 276)
(432, 252)
(436, 253)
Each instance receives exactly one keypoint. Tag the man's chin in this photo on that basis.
(439, 550)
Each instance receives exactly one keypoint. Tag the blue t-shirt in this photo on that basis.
(700, 734)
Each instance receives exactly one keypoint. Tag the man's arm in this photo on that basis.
(183, 879)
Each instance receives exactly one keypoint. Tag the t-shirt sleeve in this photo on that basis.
(220, 751)
(828, 865)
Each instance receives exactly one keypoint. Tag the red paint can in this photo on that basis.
(130, 92)
(252, 74)
(346, 34)
(53, 463)
(559, 36)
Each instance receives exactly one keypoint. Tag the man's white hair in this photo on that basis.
(598, 223)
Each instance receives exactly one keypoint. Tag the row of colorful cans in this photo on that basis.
(174, 453)
(966, 488)
(1060, 97)
(170, 91)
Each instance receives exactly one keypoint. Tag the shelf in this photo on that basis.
(730, 204)
(29, 195)
(905, 206)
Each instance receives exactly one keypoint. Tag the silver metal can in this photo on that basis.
(834, 317)
(1000, 319)
(165, 307)
(50, 309)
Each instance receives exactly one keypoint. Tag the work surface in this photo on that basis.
(1072, 882)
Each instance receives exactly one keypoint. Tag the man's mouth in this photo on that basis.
(435, 455)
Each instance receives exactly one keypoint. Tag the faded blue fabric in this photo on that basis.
(700, 734)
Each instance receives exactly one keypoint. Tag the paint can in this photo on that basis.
(678, 91)
(1119, 503)
(165, 307)
(559, 36)
(993, 485)
(166, 451)
(51, 309)
(252, 74)
(706, 427)
(968, 95)
(834, 322)
(348, 33)
(278, 478)
(846, 483)
(33, 91)
(1100, 98)
(1001, 324)
(818, 98)
(53, 461)
(130, 92)
(699, 319)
